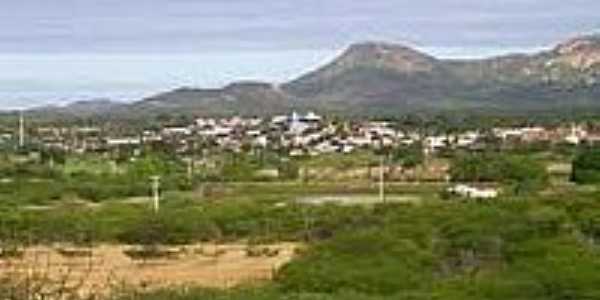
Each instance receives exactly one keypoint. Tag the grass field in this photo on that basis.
(297, 239)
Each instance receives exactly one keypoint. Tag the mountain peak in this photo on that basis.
(581, 53)
(578, 44)
(374, 64)
(381, 47)
(394, 57)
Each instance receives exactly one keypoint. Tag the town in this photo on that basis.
(305, 147)
(294, 135)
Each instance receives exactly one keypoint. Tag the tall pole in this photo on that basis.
(21, 130)
(155, 193)
(382, 180)
(192, 166)
(190, 169)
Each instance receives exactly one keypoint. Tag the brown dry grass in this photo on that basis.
(103, 268)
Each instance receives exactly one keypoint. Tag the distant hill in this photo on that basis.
(386, 79)
(85, 109)
(248, 98)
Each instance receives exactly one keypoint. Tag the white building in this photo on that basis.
(435, 143)
(312, 117)
(127, 141)
(467, 139)
(466, 191)
(177, 131)
(576, 136)
(260, 141)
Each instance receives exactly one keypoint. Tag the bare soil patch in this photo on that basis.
(103, 268)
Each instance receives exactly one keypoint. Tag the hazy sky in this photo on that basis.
(61, 50)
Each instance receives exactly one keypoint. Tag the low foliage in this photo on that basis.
(586, 166)
(521, 172)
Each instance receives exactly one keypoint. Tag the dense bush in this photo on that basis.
(409, 156)
(513, 250)
(521, 172)
(586, 166)
(503, 251)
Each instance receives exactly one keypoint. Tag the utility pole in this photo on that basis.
(382, 180)
(155, 192)
(21, 130)
(190, 169)
(193, 162)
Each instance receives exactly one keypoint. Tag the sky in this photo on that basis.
(56, 51)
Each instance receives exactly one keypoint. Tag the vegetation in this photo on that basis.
(536, 249)
(520, 172)
(409, 156)
(586, 166)
(342, 161)
(525, 245)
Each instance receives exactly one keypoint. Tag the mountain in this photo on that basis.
(374, 75)
(96, 108)
(364, 60)
(375, 78)
(380, 78)
(249, 98)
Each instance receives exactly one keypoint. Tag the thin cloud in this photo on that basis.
(163, 25)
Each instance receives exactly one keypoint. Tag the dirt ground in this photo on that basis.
(105, 268)
(357, 199)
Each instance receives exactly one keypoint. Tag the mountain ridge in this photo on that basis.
(372, 78)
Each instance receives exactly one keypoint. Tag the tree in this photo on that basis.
(521, 172)
(150, 165)
(52, 155)
(475, 168)
(586, 166)
(409, 156)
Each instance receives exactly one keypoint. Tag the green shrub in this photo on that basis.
(586, 166)
(522, 173)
